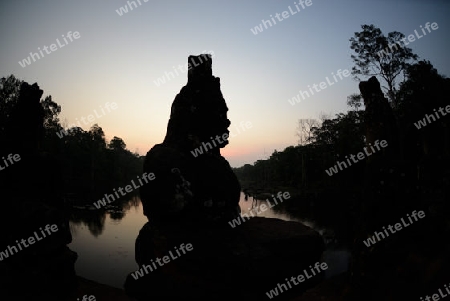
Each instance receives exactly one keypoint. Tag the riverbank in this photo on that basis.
(98, 290)
(329, 290)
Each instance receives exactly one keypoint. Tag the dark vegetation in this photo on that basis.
(85, 165)
(412, 173)
(302, 167)
(413, 88)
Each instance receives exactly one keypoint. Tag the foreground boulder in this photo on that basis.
(247, 261)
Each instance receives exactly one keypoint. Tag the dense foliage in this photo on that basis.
(89, 165)
(423, 90)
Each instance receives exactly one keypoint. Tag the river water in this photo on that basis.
(105, 241)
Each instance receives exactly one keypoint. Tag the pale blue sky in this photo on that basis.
(118, 58)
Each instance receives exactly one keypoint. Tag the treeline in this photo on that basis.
(302, 167)
(80, 166)
(423, 92)
(410, 114)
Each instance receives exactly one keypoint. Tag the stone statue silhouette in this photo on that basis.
(194, 199)
(193, 181)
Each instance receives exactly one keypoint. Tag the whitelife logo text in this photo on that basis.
(89, 119)
(161, 261)
(11, 250)
(52, 48)
(398, 226)
(129, 188)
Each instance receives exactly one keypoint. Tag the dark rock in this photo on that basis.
(193, 198)
(189, 185)
(45, 269)
(400, 260)
(247, 261)
(379, 118)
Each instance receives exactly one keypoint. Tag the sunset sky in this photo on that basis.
(119, 58)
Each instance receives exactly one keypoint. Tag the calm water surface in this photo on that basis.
(105, 241)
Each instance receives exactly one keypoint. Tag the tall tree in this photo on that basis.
(51, 112)
(9, 94)
(304, 130)
(355, 101)
(98, 136)
(117, 144)
(378, 55)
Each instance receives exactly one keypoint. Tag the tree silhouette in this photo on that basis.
(378, 55)
(304, 130)
(9, 94)
(51, 112)
(89, 165)
(117, 144)
(355, 101)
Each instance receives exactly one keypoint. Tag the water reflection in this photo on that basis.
(95, 219)
(330, 225)
(288, 212)
(105, 239)
(247, 205)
